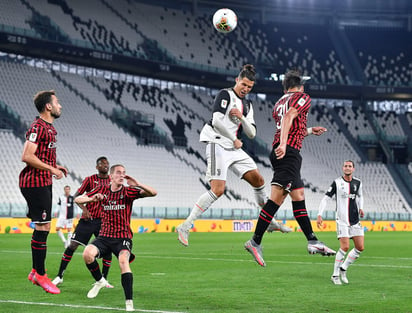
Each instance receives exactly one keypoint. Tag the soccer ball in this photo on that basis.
(224, 20)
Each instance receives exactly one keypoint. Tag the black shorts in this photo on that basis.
(85, 229)
(39, 202)
(287, 170)
(107, 245)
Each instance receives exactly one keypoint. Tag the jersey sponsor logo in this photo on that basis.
(223, 104)
(33, 137)
(114, 207)
(301, 101)
(345, 195)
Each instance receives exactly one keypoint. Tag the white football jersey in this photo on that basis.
(226, 100)
(349, 199)
(65, 207)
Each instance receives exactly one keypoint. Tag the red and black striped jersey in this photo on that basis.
(116, 208)
(43, 134)
(301, 102)
(90, 183)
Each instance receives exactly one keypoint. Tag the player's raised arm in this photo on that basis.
(147, 191)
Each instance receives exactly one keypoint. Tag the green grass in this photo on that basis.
(215, 274)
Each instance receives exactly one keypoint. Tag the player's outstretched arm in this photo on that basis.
(315, 130)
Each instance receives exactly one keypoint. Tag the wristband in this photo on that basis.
(310, 131)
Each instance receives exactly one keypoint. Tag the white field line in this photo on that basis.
(82, 306)
(207, 257)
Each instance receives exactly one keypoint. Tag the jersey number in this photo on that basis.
(281, 111)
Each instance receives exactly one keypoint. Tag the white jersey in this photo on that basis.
(65, 207)
(349, 200)
(226, 100)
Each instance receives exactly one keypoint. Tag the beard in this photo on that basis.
(55, 115)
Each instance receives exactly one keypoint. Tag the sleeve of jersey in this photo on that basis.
(34, 134)
(300, 101)
(323, 204)
(82, 189)
(96, 190)
(248, 124)
(329, 194)
(359, 198)
(222, 101)
(133, 193)
(331, 190)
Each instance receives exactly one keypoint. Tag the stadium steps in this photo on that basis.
(347, 55)
(407, 130)
(403, 179)
(43, 25)
(150, 47)
(345, 131)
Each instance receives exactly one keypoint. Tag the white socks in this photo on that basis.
(201, 205)
(339, 258)
(260, 196)
(341, 262)
(353, 255)
(61, 235)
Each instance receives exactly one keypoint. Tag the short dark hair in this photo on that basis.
(42, 98)
(292, 79)
(248, 71)
(100, 159)
(353, 163)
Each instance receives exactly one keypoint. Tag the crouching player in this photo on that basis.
(115, 234)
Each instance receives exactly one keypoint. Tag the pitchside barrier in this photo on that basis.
(24, 225)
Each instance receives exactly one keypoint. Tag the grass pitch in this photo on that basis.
(215, 274)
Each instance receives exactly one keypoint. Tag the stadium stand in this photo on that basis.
(383, 64)
(158, 139)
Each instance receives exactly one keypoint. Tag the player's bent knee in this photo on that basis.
(345, 248)
(124, 261)
(42, 226)
(73, 245)
(218, 191)
(89, 254)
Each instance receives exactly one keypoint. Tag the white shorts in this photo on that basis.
(219, 160)
(345, 231)
(64, 222)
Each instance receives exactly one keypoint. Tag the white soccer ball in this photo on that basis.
(224, 20)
